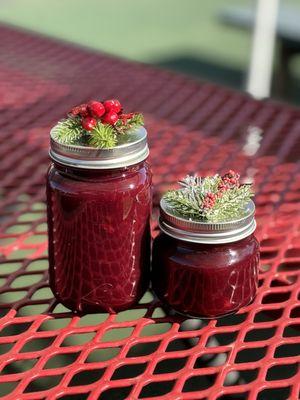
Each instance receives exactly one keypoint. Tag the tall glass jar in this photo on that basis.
(205, 270)
(99, 205)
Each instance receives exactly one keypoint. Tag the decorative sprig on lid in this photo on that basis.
(212, 199)
(96, 124)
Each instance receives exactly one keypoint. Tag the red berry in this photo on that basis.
(110, 118)
(88, 123)
(112, 105)
(96, 109)
(227, 182)
(231, 173)
(231, 179)
(209, 200)
(125, 117)
(83, 111)
(222, 187)
(80, 110)
(75, 111)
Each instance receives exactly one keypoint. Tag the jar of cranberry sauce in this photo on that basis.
(99, 205)
(203, 269)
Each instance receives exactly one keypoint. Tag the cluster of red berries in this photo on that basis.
(209, 200)
(108, 112)
(229, 180)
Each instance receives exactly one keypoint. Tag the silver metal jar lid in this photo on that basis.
(132, 149)
(206, 232)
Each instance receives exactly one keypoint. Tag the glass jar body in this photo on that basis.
(205, 280)
(99, 236)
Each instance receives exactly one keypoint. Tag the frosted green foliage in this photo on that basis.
(210, 199)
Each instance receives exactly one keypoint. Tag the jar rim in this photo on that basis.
(207, 232)
(132, 151)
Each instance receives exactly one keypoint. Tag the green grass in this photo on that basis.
(180, 35)
(146, 30)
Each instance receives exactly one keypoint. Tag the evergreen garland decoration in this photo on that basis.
(95, 124)
(135, 121)
(102, 136)
(185, 204)
(213, 199)
(231, 205)
(68, 131)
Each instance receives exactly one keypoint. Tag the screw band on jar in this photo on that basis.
(99, 135)
(133, 150)
(206, 232)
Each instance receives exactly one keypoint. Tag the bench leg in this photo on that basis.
(283, 77)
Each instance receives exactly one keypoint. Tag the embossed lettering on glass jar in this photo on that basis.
(99, 205)
(203, 269)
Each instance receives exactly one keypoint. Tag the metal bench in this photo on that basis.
(287, 31)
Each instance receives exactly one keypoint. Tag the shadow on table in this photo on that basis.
(62, 318)
(205, 69)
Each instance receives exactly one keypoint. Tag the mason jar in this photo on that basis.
(99, 205)
(203, 269)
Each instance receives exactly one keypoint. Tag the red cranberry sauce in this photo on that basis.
(205, 280)
(99, 236)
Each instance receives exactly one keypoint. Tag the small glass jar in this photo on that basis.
(99, 205)
(205, 269)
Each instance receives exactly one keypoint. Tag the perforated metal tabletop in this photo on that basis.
(48, 353)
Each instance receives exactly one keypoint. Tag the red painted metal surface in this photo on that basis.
(46, 352)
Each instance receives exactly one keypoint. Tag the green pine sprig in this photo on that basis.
(103, 136)
(185, 204)
(189, 201)
(68, 131)
(134, 122)
(231, 205)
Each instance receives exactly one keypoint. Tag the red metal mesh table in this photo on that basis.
(48, 353)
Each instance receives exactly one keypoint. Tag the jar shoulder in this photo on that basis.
(205, 254)
(122, 180)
